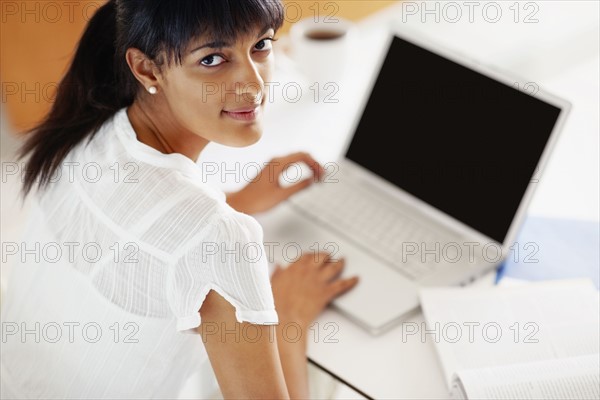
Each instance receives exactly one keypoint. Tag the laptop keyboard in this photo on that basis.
(373, 225)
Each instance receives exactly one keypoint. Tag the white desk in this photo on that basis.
(560, 53)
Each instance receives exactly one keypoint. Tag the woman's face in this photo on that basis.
(217, 79)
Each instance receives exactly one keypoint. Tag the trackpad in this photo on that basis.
(382, 294)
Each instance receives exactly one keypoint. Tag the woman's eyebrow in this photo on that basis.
(219, 44)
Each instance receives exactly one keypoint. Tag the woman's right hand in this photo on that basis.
(303, 289)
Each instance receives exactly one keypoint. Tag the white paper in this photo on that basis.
(504, 326)
(576, 378)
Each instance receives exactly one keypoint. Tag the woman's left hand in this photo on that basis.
(264, 192)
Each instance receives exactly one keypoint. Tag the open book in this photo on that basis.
(536, 341)
(568, 378)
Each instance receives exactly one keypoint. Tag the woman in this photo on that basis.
(135, 248)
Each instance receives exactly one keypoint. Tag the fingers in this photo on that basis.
(314, 259)
(327, 268)
(341, 286)
(314, 165)
(332, 269)
(295, 188)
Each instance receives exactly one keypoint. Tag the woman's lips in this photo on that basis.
(249, 115)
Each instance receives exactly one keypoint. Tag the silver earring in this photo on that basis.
(152, 90)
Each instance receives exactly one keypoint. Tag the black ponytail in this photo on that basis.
(86, 97)
(98, 82)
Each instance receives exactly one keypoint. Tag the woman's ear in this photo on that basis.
(142, 67)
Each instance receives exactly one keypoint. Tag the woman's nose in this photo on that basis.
(249, 84)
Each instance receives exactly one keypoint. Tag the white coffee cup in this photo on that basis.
(320, 48)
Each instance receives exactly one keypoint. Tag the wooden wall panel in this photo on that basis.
(37, 39)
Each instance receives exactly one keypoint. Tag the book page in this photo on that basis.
(475, 328)
(570, 378)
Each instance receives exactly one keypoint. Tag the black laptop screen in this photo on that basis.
(456, 139)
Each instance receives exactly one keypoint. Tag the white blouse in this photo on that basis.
(115, 263)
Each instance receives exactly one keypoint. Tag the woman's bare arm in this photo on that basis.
(246, 367)
(292, 349)
(246, 363)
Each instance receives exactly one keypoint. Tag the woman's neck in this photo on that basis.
(157, 132)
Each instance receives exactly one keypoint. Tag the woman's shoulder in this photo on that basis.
(225, 230)
(160, 199)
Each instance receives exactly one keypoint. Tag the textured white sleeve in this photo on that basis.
(231, 260)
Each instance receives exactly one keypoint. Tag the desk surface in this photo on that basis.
(559, 53)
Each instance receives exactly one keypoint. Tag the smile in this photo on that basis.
(249, 115)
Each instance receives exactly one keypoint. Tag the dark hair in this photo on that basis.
(98, 82)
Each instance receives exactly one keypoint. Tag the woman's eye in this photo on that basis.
(264, 44)
(211, 61)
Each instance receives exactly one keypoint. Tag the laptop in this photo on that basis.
(434, 182)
